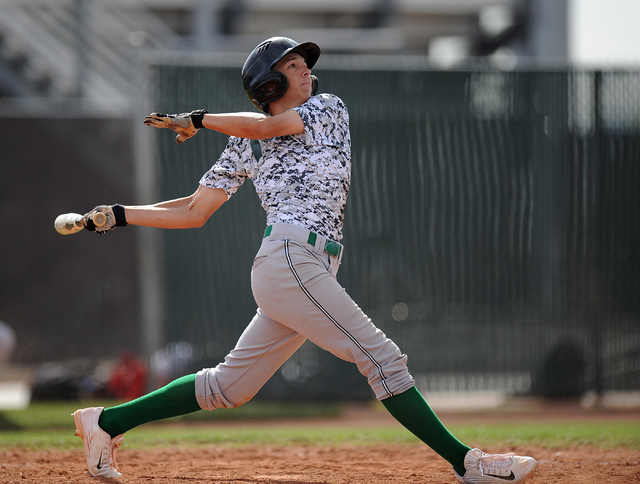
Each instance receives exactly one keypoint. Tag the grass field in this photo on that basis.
(50, 425)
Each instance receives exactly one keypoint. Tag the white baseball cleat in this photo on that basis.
(492, 468)
(99, 447)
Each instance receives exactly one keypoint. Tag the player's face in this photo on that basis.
(295, 69)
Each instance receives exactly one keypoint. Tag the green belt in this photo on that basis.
(330, 247)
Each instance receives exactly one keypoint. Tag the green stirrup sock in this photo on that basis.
(412, 411)
(176, 398)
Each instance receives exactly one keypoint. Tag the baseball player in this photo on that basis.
(302, 179)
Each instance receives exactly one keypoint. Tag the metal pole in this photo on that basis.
(82, 48)
(599, 219)
(205, 27)
(150, 241)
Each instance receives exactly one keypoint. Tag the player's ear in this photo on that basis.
(314, 85)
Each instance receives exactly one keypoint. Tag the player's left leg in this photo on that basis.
(311, 302)
(411, 410)
(471, 466)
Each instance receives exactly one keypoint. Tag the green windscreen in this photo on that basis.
(491, 229)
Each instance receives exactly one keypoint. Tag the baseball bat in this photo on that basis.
(71, 223)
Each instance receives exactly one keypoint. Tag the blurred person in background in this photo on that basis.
(128, 378)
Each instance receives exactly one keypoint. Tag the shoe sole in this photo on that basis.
(532, 472)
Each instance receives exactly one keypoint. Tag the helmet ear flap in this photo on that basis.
(314, 85)
(272, 87)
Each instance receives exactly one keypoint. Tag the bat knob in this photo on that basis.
(99, 219)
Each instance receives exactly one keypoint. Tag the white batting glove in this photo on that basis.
(185, 124)
(115, 218)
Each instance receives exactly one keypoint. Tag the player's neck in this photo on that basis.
(284, 104)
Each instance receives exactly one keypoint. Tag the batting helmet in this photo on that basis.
(262, 84)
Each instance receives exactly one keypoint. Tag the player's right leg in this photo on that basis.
(101, 429)
(260, 351)
(262, 348)
(99, 447)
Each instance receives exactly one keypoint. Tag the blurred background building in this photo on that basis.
(84, 50)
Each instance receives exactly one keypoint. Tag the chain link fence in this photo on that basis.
(491, 230)
(491, 227)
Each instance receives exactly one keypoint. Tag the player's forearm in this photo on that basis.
(181, 213)
(254, 125)
(166, 215)
(242, 125)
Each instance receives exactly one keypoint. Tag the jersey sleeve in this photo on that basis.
(326, 121)
(233, 167)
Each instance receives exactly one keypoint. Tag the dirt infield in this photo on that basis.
(307, 465)
(321, 464)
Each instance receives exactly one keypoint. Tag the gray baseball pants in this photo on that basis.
(294, 284)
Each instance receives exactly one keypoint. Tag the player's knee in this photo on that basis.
(236, 404)
(211, 401)
(210, 394)
(391, 379)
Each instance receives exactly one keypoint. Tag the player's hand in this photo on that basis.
(185, 124)
(115, 218)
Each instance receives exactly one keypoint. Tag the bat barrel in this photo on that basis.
(68, 223)
(71, 223)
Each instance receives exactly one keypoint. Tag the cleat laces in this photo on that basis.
(496, 464)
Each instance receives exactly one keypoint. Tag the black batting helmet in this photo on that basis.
(262, 84)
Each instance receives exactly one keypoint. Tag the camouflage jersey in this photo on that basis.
(301, 179)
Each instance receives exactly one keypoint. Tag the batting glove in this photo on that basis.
(185, 124)
(115, 218)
